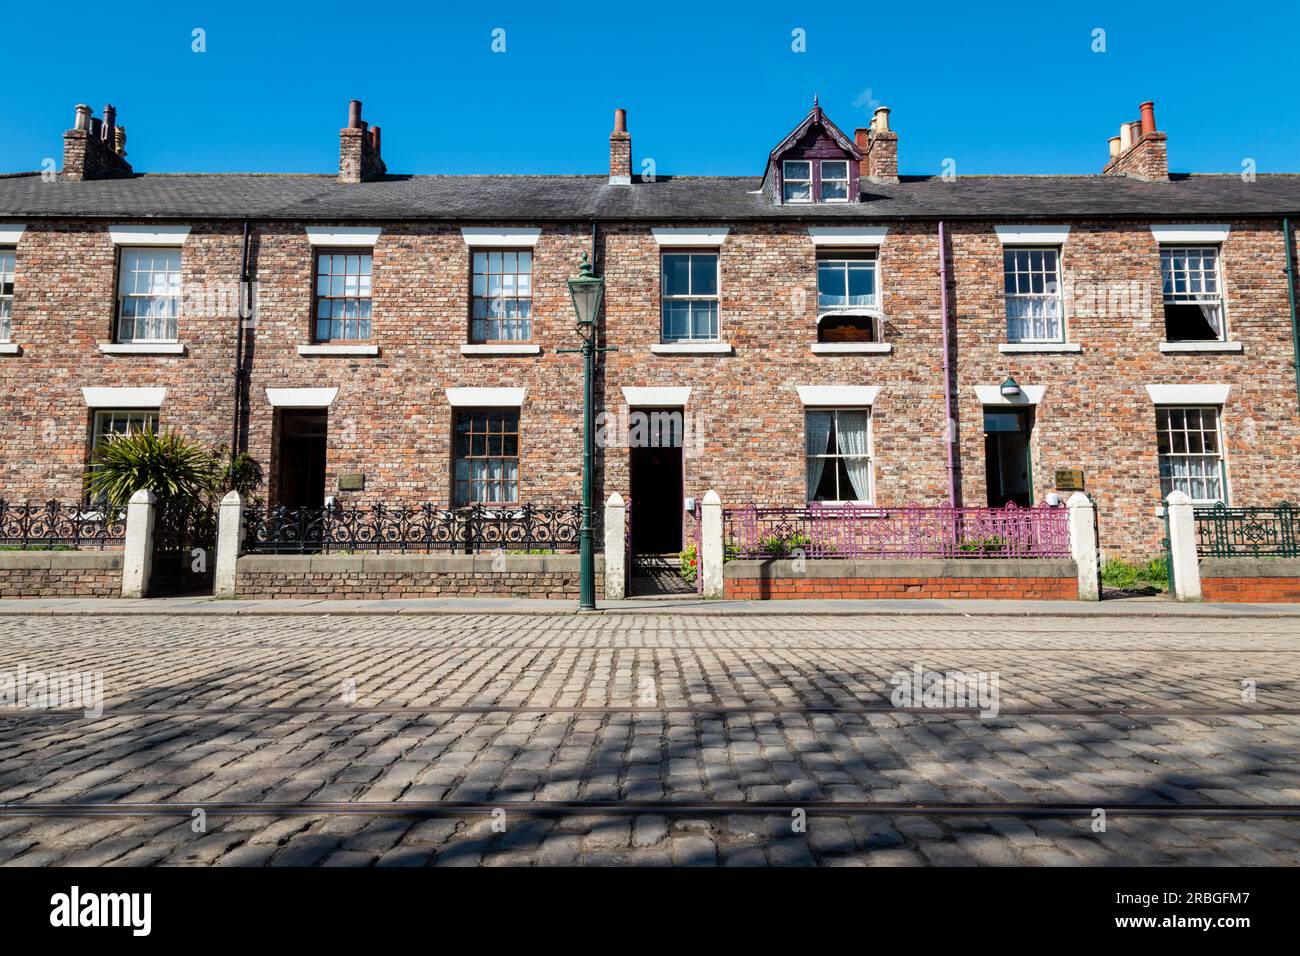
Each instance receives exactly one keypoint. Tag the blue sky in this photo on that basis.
(709, 89)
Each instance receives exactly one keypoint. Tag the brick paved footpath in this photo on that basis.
(504, 710)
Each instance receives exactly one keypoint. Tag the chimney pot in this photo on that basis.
(620, 121)
(1125, 137)
(1114, 146)
(354, 114)
(1148, 120)
(110, 121)
(82, 122)
(374, 138)
(880, 119)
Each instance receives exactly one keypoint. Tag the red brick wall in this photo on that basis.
(391, 420)
(1039, 589)
(1251, 590)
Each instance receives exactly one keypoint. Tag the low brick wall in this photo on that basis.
(77, 574)
(1250, 580)
(1055, 579)
(377, 576)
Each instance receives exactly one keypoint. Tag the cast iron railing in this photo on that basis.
(860, 531)
(1223, 532)
(417, 529)
(30, 526)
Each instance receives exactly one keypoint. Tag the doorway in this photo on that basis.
(655, 464)
(302, 459)
(1007, 466)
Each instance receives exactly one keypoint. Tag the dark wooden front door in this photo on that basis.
(656, 484)
(1006, 456)
(302, 459)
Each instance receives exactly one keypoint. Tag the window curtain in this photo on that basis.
(851, 437)
(818, 433)
(1214, 317)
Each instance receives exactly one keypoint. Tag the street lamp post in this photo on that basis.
(587, 290)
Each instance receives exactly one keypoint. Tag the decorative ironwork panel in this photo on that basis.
(1223, 532)
(849, 531)
(415, 529)
(30, 526)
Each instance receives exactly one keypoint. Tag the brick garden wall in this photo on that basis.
(1250, 580)
(1051, 580)
(71, 574)
(368, 577)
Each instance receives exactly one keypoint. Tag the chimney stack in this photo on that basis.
(1140, 151)
(359, 157)
(879, 145)
(620, 151)
(95, 149)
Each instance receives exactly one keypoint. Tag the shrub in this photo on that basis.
(170, 465)
(1122, 575)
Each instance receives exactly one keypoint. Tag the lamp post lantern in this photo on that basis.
(587, 291)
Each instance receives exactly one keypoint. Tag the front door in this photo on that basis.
(302, 459)
(1006, 456)
(655, 460)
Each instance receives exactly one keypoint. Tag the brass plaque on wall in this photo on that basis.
(1069, 479)
(352, 482)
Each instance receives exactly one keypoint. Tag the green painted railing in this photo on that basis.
(1223, 532)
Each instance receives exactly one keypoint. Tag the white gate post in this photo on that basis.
(615, 548)
(230, 526)
(1083, 545)
(137, 549)
(1182, 546)
(710, 557)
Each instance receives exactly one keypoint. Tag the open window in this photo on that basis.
(848, 299)
(7, 257)
(1193, 294)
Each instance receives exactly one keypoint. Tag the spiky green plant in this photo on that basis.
(170, 465)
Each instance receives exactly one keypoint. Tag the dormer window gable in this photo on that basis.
(816, 163)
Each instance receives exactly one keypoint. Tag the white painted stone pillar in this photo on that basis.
(137, 556)
(230, 527)
(710, 557)
(615, 548)
(1083, 545)
(1182, 546)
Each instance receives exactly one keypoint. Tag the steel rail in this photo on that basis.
(441, 808)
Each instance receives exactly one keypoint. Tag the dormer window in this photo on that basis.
(796, 179)
(835, 180)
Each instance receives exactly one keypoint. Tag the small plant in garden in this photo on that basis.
(779, 546)
(689, 562)
(237, 472)
(993, 544)
(1121, 575)
(170, 465)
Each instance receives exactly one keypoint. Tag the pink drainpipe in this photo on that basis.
(950, 431)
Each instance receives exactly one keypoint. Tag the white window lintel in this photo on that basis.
(657, 396)
(11, 232)
(148, 235)
(834, 396)
(992, 395)
(124, 397)
(301, 397)
(1032, 235)
(343, 235)
(486, 397)
(495, 236)
(1188, 394)
(1183, 232)
(847, 235)
(691, 235)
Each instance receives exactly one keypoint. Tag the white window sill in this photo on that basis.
(1029, 348)
(355, 351)
(501, 348)
(852, 348)
(10, 348)
(142, 348)
(692, 348)
(1178, 348)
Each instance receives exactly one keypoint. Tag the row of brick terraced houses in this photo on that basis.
(825, 329)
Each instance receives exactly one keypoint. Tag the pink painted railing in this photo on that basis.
(855, 531)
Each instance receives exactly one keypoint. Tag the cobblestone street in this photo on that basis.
(721, 730)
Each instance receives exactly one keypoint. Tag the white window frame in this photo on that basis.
(1221, 454)
(716, 298)
(786, 180)
(847, 180)
(98, 436)
(1167, 249)
(7, 298)
(870, 500)
(119, 330)
(1056, 293)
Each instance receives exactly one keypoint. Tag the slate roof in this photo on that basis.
(701, 199)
